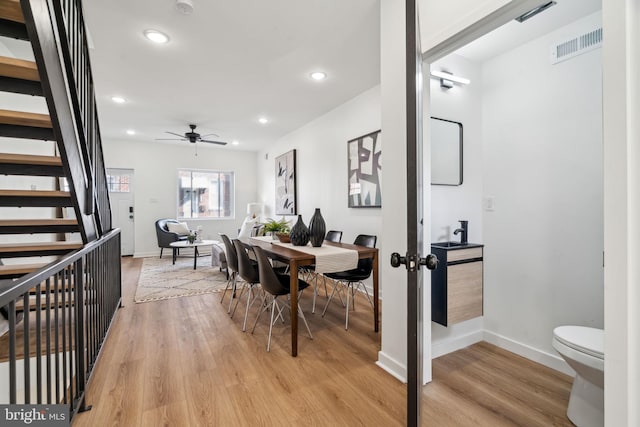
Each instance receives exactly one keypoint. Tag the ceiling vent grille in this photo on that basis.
(575, 46)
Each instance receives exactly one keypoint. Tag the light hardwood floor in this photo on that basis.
(184, 362)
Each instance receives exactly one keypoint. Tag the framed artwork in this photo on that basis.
(286, 184)
(365, 171)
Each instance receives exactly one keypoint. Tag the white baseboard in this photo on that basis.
(392, 366)
(150, 254)
(550, 360)
(450, 345)
(167, 254)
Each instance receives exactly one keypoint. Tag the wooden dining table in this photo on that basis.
(297, 259)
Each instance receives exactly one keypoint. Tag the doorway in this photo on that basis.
(121, 196)
(525, 182)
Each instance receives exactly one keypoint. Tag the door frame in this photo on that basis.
(621, 103)
(115, 208)
(466, 35)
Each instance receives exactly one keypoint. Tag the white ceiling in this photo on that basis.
(229, 63)
(514, 34)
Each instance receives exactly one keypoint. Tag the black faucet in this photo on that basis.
(464, 228)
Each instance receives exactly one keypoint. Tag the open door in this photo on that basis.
(413, 260)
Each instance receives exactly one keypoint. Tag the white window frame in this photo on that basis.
(220, 193)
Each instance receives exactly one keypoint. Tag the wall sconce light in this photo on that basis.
(447, 79)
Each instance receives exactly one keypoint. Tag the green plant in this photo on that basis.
(273, 226)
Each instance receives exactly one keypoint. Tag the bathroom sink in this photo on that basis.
(448, 244)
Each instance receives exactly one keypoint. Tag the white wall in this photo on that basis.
(393, 354)
(155, 168)
(452, 203)
(321, 151)
(542, 140)
(461, 104)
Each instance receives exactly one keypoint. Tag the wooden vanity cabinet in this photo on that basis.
(456, 285)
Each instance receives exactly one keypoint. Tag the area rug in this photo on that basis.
(160, 279)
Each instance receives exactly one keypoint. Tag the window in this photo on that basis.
(205, 194)
(118, 183)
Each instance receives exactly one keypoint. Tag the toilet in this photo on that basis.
(583, 349)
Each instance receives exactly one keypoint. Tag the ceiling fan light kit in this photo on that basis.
(192, 137)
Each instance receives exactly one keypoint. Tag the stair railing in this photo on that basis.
(68, 308)
(57, 32)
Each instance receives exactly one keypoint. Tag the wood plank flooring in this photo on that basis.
(185, 362)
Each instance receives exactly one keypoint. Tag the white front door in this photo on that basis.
(120, 182)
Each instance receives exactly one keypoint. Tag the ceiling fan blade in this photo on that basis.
(170, 139)
(213, 142)
(210, 134)
(176, 134)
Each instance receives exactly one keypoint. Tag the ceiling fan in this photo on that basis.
(192, 137)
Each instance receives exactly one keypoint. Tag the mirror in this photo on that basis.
(446, 152)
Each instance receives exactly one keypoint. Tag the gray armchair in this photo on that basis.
(165, 237)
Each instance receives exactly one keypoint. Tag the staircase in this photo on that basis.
(59, 257)
(33, 236)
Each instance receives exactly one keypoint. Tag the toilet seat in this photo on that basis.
(581, 338)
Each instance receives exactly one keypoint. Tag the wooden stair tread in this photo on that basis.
(52, 290)
(43, 304)
(37, 222)
(16, 270)
(8, 270)
(11, 11)
(21, 118)
(34, 193)
(19, 69)
(30, 159)
(39, 246)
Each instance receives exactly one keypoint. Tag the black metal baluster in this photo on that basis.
(38, 344)
(68, 308)
(79, 328)
(12, 353)
(66, 285)
(26, 348)
(48, 338)
(56, 318)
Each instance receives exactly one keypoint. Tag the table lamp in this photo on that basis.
(254, 209)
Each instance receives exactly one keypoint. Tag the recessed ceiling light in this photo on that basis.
(118, 99)
(318, 75)
(234, 143)
(263, 120)
(156, 36)
(131, 132)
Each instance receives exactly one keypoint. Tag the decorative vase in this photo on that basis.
(317, 229)
(299, 233)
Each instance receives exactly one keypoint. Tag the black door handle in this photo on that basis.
(396, 260)
(413, 262)
(431, 262)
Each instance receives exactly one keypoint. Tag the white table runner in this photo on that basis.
(329, 258)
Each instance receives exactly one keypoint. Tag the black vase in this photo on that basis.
(299, 233)
(317, 229)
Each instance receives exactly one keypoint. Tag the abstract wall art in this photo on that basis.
(365, 171)
(286, 184)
